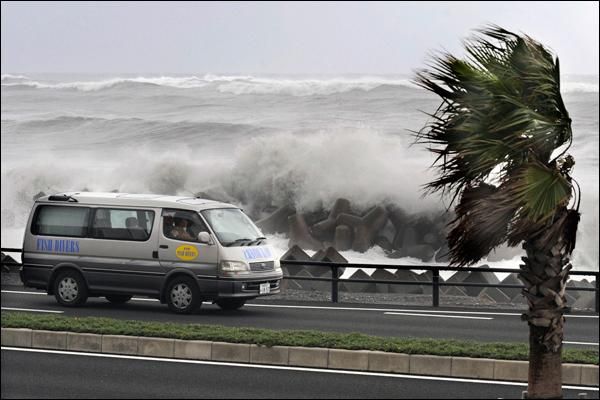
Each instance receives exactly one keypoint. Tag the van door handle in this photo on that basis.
(163, 246)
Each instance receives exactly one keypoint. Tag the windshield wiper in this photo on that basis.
(257, 240)
(236, 241)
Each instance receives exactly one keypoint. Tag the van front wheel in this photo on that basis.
(230, 304)
(70, 289)
(183, 295)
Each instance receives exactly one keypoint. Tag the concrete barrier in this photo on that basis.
(49, 340)
(362, 360)
(430, 365)
(84, 342)
(231, 352)
(308, 357)
(156, 347)
(277, 355)
(348, 359)
(589, 375)
(16, 337)
(473, 367)
(119, 344)
(511, 370)
(381, 361)
(193, 349)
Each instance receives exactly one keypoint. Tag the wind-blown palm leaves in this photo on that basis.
(501, 136)
(500, 122)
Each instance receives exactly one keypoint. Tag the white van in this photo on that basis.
(180, 250)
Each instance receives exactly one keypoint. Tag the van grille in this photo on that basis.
(262, 266)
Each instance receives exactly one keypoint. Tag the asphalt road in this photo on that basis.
(444, 322)
(55, 375)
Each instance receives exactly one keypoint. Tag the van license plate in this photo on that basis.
(265, 288)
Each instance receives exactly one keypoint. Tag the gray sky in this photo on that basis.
(230, 37)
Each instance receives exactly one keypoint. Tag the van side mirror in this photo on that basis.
(204, 237)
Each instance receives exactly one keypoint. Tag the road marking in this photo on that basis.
(354, 308)
(32, 310)
(277, 367)
(17, 292)
(582, 343)
(436, 316)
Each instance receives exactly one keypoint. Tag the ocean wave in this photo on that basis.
(6, 77)
(234, 84)
(579, 87)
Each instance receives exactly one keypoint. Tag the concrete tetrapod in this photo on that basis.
(277, 222)
(300, 234)
(325, 229)
(365, 228)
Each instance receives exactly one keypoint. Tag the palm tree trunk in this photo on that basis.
(544, 274)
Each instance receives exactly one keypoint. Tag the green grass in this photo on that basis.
(351, 341)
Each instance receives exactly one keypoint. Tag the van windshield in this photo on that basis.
(233, 227)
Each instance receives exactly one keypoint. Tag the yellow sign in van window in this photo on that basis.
(186, 252)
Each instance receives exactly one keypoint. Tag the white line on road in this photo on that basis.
(359, 308)
(582, 343)
(436, 316)
(329, 371)
(32, 310)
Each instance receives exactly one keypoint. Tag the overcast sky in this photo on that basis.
(314, 38)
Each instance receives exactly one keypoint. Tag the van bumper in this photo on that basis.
(248, 288)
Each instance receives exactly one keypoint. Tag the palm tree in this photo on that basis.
(500, 136)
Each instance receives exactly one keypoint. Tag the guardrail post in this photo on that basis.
(597, 289)
(334, 284)
(436, 287)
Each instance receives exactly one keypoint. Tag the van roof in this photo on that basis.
(134, 200)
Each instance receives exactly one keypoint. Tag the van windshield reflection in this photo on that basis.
(233, 227)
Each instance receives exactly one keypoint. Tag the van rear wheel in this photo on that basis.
(70, 289)
(118, 298)
(230, 304)
(183, 295)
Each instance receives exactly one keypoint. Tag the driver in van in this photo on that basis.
(179, 230)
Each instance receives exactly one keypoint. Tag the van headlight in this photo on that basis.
(233, 267)
(277, 265)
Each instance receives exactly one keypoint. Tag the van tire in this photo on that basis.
(230, 304)
(70, 289)
(183, 295)
(118, 298)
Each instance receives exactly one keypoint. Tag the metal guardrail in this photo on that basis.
(435, 278)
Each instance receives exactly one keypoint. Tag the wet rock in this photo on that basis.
(300, 234)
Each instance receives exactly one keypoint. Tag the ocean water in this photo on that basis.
(259, 140)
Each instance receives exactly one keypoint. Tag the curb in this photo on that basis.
(361, 360)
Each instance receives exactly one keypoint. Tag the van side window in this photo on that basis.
(182, 225)
(61, 221)
(120, 224)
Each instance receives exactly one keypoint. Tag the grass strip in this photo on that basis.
(269, 337)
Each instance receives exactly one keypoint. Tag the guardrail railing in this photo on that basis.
(435, 276)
